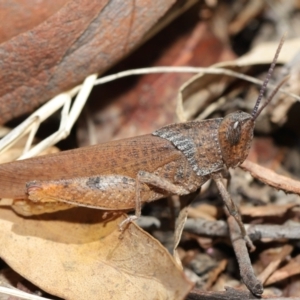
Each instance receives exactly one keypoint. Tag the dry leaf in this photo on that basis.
(292, 268)
(200, 92)
(275, 262)
(75, 254)
(266, 210)
(20, 16)
(204, 211)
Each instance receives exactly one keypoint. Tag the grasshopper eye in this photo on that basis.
(234, 133)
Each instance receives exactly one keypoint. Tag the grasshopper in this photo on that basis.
(122, 175)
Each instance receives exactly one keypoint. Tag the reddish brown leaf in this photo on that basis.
(18, 16)
(81, 38)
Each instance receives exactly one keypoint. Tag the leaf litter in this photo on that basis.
(60, 247)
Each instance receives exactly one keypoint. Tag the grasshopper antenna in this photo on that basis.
(283, 81)
(255, 113)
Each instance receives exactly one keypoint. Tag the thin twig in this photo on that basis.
(288, 230)
(270, 178)
(187, 69)
(228, 294)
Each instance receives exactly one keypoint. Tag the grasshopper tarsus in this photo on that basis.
(123, 225)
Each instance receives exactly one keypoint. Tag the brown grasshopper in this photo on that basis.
(121, 175)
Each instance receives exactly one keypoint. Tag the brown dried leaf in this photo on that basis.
(200, 92)
(292, 268)
(74, 254)
(21, 16)
(273, 265)
(266, 210)
(81, 38)
(204, 211)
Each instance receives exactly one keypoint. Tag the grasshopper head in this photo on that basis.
(236, 132)
(235, 137)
